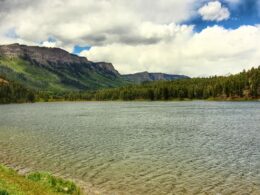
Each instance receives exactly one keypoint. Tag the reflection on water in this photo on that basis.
(139, 147)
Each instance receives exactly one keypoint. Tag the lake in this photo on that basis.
(152, 148)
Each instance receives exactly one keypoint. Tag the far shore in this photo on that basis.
(145, 100)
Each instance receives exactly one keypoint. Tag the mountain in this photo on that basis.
(146, 76)
(53, 69)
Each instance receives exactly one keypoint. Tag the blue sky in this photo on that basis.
(192, 37)
(244, 12)
(78, 49)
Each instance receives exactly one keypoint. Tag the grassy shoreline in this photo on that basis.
(12, 183)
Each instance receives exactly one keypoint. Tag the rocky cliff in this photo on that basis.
(51, 69)
(55, 69)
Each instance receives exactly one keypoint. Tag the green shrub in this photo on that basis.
(3, 192)
(55, 183)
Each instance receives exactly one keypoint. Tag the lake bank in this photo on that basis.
(138, 147)
(12, 182)
(32, 180)
(143, 100)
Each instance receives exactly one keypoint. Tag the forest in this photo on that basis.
(245, 85)
(12, 92)
(242, 86)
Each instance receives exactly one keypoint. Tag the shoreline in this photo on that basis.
(143, 100)
(84, 187)
(14, 180)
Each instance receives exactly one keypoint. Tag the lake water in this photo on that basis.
(137, 148)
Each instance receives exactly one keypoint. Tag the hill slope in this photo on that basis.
(55, 69)
(11, 92)
(146, 76)
(242, 86)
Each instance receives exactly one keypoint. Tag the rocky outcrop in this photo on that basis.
(42, 55)
(56, 69)
(53, 57)
(108, 67)
(53, 68)
(146, 76)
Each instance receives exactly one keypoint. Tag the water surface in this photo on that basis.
(138, 147)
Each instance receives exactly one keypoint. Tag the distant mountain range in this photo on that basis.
(54, 69)
(146, 76)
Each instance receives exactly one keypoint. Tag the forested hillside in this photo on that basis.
(11, 92)
(242, 86)
(54, 69)
(245, 85)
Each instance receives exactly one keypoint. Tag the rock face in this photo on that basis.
(55, 69)
(44, 68)
(146, 76)
(108, 67)
(51, 56)
(41, 55)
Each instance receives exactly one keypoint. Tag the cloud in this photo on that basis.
(89, 21)
(214, 11)
(135, 35)
(213, 51)
(49, 44)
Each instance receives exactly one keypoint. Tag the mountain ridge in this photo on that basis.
(43, 55)
(145, 76)
(54, 69)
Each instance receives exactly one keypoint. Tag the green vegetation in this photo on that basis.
(242, 86)
(11, 92)
(48, 77)
(3, 192)
(57, 184)
(35, 183)
(29, 74)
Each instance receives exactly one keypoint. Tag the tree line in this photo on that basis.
(242, 86)
(245, 85)
(11, 92)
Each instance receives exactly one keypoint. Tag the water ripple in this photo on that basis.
(138, 147)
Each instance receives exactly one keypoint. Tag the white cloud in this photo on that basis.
(89, 21)
(49, 44)
(214, 11)
(135, 35)
(215, 50)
